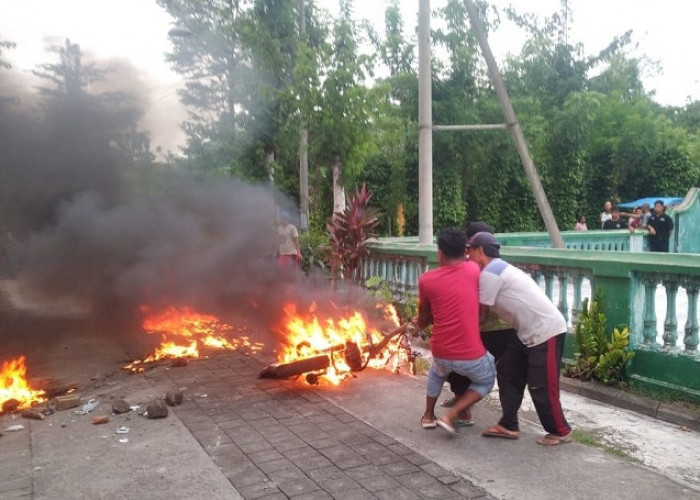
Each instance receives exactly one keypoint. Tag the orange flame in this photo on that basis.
(13, 385)
(174, 324)
(307, 335)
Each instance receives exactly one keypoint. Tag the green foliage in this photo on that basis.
(315, 251)
(379, 288)
(600, 356)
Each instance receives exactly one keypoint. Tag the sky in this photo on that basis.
(135, 31)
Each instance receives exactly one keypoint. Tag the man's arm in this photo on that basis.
(483, 312)
(425, 315)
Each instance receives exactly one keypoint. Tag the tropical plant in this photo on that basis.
(349, 231)
(600, 356)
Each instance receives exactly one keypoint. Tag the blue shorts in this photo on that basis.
(481, 372)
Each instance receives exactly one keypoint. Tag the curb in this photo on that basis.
(629, 401)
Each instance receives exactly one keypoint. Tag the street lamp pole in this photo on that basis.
(425, 124)
(303, 140)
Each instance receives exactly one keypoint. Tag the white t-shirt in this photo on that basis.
(516, 298)
(286, 237)
(603, 217)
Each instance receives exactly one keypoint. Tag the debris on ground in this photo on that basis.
(66, 401)
(174, 397)
(120, 406)
(34, 415)
(157, 409)
(100, 419)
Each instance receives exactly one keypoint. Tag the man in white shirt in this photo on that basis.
(534, 356)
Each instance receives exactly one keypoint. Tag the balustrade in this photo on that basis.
(636, 288)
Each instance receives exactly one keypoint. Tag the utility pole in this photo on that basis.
(425, 124)
(303, 139)
(514, 126)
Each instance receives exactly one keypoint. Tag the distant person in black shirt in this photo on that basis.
(660, 227)
(615, 222)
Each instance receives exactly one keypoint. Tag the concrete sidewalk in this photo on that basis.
(236, 435)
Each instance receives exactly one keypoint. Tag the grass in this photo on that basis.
(589, 439)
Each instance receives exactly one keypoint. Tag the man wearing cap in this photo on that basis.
(448, 297)
(534, 357)
(660, 227)
(288, 250)
(495, 335)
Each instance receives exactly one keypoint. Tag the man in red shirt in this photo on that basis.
(449, 299)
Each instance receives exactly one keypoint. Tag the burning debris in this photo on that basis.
(332, 350)
(15, 392)
(184, 331)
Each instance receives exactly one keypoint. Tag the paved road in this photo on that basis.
(236, 435)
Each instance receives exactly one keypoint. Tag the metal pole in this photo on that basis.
(303, 142)
(425, 122)
(537, 189)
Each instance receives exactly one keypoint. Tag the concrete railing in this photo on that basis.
(637, 289)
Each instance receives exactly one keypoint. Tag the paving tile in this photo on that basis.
(417, 459)
(338, 484)
(287, 475)
(275, 465)
(265, 456)
(363, 472)
(397, 494)
(299, 487)
(259, 490)
(415, 480)
(354, 494)
(398, 468)
(383, 457)
(378, 483)
(324, 473)
(256, 446)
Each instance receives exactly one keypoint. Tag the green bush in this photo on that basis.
(600, 356)
(315, 251)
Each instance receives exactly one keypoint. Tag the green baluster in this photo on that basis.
(671, 322)
(576, 307)
(549, 284)
(691, 326)
(564, 295)
(649, 310)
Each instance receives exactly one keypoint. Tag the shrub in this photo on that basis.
(600, 356)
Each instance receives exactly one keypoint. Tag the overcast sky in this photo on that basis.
(136, 30)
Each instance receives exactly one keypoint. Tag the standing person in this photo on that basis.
(644, 216)
(288, 250)
(606, 214)
(534, 357)
(581, 223)
(660, 227)
(448, 297)
(615, 222)
(495, 335)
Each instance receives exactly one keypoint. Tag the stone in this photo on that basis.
(157, 409)
(120, 406)
(174, 397)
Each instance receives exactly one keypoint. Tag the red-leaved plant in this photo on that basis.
(349, 231)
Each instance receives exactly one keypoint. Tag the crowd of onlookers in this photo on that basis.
(656, 222)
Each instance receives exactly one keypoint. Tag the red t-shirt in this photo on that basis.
(452, 292)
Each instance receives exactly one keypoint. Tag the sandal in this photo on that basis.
(446, 425)
(554, 440)
(498, 431)
(427, 425)
(463, 422)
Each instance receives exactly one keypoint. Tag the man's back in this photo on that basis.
(453, 295)
(516, 297)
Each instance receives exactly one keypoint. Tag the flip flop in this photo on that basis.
(448, 403)
(463, 422)
(427, 425)
(497, 431)
(554, 440)
(446, 426)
